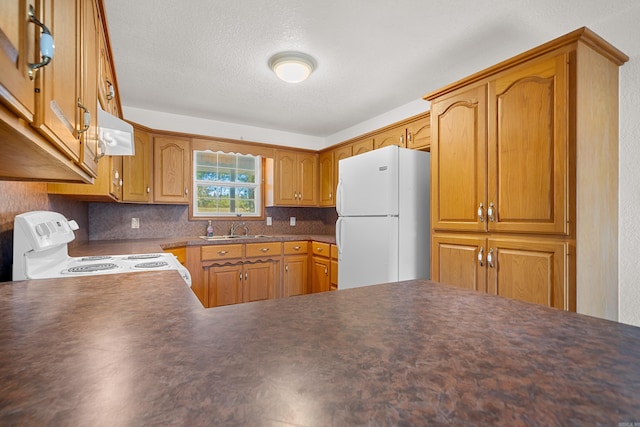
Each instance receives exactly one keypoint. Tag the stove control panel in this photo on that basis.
(40, 230)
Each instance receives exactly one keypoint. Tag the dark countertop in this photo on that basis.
(139, 349)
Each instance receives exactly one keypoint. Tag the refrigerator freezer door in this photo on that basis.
(368, 183)
(367, 251)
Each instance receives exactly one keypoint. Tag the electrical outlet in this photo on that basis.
(269, 220)
(292, 221)
(135, 222)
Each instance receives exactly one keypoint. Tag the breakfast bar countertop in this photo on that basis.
(139, 349)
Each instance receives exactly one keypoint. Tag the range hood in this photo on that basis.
(115, 136)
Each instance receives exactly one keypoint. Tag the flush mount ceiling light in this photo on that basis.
(292, 67)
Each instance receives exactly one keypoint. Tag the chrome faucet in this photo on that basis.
(238, 225)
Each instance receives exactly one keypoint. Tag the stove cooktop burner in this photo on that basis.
(95, 258)
(143, 256)
(154, 264)
(91, 268)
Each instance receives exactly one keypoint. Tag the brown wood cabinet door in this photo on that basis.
(171, 160)
(339, 154)
(59, 87)
(136, 169)
(528, 149)
(325, 161)
(17, 50)
(454, 261)
(362, 146)
(528, 270)
(394, 136)
(320, 280)
(224, 285)
(419, 134)
(116, 181)
(296, 273)
(308, 179)
(285, 182)
(258, 282)
(458, 161)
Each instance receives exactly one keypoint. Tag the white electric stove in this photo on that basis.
(40, 251)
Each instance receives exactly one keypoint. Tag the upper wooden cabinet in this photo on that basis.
(296, 178)
(48, 124)
(524, 170)
(106, 80)
(326, 162)
(362, 146)
(171, 170)
(137, 170)
(414, 134)
(393, 136)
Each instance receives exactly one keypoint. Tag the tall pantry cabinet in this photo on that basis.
(524, 177)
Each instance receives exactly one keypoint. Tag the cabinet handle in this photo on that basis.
(148, 189)
(86, 118)
(116, 174)
(326, 271)
(330, 195)
(481, 212)
(490, 258)
(110, 92)
(264, 249)
(491, 212)
(409, 137)
(481, 257)
(222, 252)
(46, 44)
(401, 139)
(186, 191)
(246, 275)
(241, 276)
(296, 248)
(319, 249)
(120, 182)
(286, 268)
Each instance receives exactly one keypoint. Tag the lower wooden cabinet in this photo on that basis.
(295, 279)
(333, 276)
(224, 285)
(532, 270)
(320, 267)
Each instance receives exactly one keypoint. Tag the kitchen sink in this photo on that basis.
(237, 236)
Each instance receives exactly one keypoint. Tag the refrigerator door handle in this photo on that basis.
(339, 237)
(339, 198)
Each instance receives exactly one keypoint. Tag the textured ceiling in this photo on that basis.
(208, 58)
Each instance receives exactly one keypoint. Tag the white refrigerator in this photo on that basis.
(383, 227)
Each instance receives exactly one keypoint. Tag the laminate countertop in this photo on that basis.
(138, 349)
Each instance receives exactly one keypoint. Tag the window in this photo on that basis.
(226, 184)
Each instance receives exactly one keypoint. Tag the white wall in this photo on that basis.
(629, 216)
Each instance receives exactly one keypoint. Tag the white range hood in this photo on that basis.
(115, 136)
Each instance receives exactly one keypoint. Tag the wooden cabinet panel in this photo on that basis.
(419, 133)
(296, 273)
(258, 282)
(458, 158)
(270, 249)
(296, 178)
(531, 271)
(527, 154)
(296, 247)
(326, 164)
(308, 179)
(320, 248)
(455, 261)
(224, 285)
(393, 136)
(17, 50)
(171, 170)
(219, 252)
(362, 146)
(137, 169)
(320, 280)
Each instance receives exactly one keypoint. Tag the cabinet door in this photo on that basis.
(17, 50)
(58, 84)
(419, 134)
(116, 181)
(259, 282)
(296, 273)
(394, 136)
(325, 161)
(224, 285)
(320, 281)
(458, 161)
(171, 160)
(527, 156)
(339, 154)
(136, 170)
(455, 261)
(106, 83)
(527, 270)
(362, 146)
(307, 179)
(285, 181)
(89, 49)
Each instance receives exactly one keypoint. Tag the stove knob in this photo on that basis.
(42, 229)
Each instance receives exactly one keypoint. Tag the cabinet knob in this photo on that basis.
(222, 252)
(490, 259)
(481, 213)
(186, 191)
(86, 118)
(326, 271)
(286, 268)
(110, 92)
(264, 249)
(491, 212)
(246, 275)
(241, 276)
(409, 137)
(296, 248)
(120, 183)
(148, 189)
(481, 257)
(47, 47)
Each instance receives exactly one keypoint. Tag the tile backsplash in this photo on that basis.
(20, 197)
(109, 221)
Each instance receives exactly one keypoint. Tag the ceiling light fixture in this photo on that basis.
(292, 67)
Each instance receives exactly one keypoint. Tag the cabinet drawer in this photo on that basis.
(322, 249)
(180, 253)
(264, 249)
(215, 252)
(297, 247)
(334, 252)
